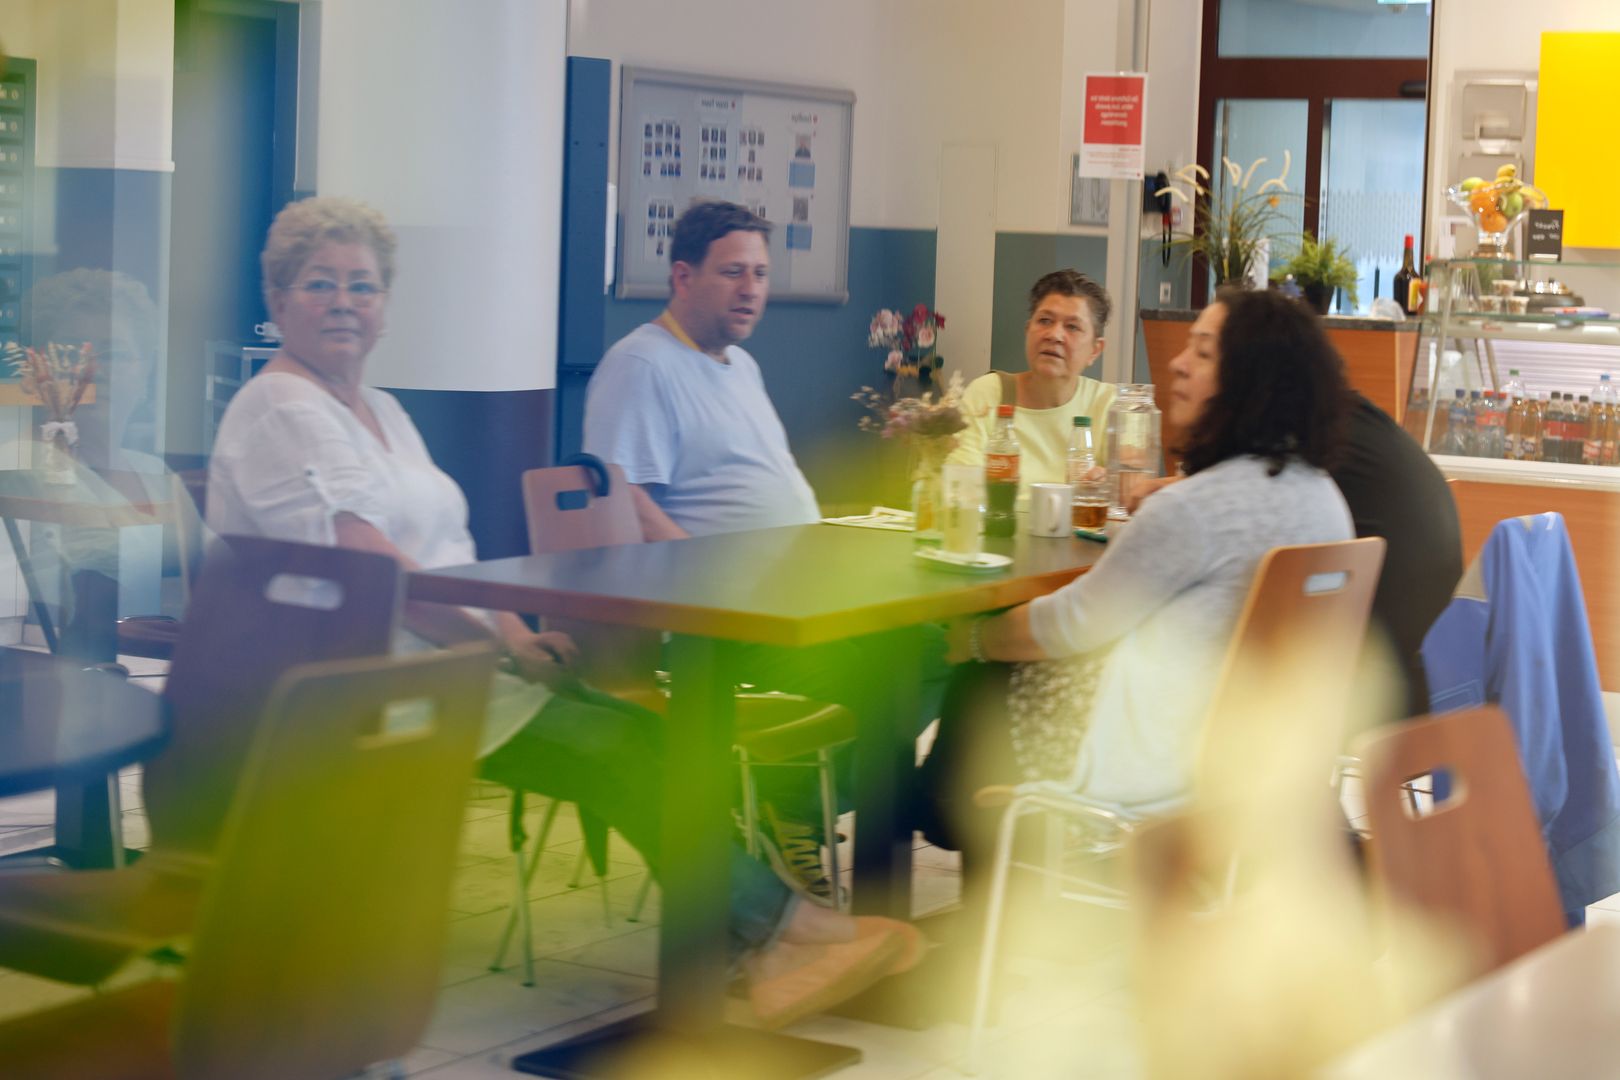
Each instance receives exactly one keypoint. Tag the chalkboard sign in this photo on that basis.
(782, 151)
(1544, 236)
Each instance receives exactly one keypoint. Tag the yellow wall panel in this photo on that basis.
(1577, 153)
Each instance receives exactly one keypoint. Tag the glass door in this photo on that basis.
(1372, 186)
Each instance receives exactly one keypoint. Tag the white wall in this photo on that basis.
(465, 162)
(105, 79)
(931, 78)
(925, 73)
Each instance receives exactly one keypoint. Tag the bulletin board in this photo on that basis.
(782, 151)
(1576, 116)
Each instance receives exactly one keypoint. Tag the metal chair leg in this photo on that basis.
(992, 931)
(525, 868)
(641, 898)
(578, 876)
(750, 804)
(829, 826)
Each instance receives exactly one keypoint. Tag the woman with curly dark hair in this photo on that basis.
(1112, 674)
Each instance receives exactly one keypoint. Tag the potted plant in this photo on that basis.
(1319, 268)
(1231, 224)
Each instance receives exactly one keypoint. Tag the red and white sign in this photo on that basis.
(1115, 110)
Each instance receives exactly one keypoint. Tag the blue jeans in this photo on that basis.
(607, 755)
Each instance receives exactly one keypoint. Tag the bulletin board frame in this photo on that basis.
(779, 148)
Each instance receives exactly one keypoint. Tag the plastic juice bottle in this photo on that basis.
(1591, 429)
(1609, 453)
(1513, 418)
(1602, 422)
(1001, 458)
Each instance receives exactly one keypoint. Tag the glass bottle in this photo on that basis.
(1134, 452)
(1403, 280)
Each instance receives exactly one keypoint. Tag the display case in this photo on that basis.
(1490, 328)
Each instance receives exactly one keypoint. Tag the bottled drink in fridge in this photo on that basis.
(1552, 428)
(1001, 458)
(1609, 448)
(1589, 419)
(1479, 412)
(1134, 453)
(1513, 405)
(1602, 419)
(1496, 429)
(1572, 432)
(1459, 437)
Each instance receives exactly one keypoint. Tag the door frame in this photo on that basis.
(1314, 80)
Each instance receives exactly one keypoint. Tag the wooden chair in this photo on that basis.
(1477, 858)
(317, 949)
(251, 619)
(1308, 604)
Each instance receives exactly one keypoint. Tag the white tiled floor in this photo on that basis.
(1068, 1019)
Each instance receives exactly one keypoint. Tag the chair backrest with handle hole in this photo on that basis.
(1300, 632)
(259, 607)
(1476, 859)
(319, 944)
(576, 507)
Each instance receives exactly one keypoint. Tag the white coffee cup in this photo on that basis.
(1049, 509)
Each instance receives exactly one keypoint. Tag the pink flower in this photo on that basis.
(892, 363)
(925, 337)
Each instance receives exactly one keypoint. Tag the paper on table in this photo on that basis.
(881, 517)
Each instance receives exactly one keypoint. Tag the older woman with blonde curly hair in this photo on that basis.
(306, 451)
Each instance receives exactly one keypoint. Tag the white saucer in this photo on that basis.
(985, 562)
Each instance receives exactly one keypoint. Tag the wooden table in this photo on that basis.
(797, 586)
(65, 727)
(98, 501)
(1554, 1012)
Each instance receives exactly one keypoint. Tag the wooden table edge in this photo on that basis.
(436, 586)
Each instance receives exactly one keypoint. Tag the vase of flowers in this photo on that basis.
(928, 425)
(58, 377)
(911, 343)
(1232, 226)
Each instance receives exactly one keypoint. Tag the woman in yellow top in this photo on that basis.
(1064, 336)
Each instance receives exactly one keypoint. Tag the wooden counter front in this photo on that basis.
(1377, 358)
(1593, 521)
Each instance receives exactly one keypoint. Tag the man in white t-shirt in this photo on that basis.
(681, 406)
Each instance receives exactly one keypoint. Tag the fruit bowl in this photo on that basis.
(1496, 207)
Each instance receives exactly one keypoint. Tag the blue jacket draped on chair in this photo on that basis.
(1527, 646)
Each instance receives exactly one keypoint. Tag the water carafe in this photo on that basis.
(1134, 452)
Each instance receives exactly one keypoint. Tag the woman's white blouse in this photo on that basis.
(289, 457)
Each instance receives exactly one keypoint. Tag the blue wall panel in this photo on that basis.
(486, 441)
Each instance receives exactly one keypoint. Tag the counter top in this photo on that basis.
(1332, 322)
(1544, 474)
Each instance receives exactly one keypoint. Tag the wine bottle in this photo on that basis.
(1403, 280)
